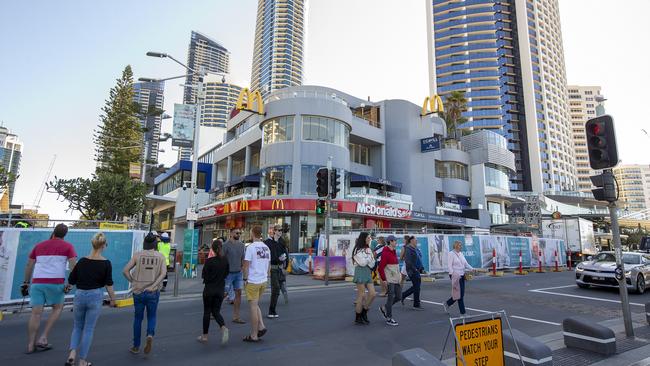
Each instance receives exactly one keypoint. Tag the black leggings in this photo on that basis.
(212, 306)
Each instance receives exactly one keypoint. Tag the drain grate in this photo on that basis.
(578, 357)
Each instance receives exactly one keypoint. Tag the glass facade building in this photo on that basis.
(279, 44)
(150, 98)
(507, 57)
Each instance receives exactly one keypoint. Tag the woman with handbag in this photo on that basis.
(363, 260)
(457, 265)
(390, 274)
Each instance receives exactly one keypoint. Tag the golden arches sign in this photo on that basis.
(251, 98)
(434, 105)
(243, 205)
(277, 205)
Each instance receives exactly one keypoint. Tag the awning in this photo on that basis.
(354, 177)
(252, 178)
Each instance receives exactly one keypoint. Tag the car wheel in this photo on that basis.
(640, 284)
(583, 285)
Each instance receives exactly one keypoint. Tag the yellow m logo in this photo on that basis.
(434, 105)
(277, 205)
(251, 97)
(243, 205)
(226, 208)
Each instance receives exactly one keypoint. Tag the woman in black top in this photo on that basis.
(90, 275)
(214, 275)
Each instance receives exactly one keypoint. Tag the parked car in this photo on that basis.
(599, 271)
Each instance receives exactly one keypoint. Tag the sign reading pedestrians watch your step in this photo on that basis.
(480, 342)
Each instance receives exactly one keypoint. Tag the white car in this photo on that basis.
(599, 271)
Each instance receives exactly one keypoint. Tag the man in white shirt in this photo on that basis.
(256, 269)
(457, 264)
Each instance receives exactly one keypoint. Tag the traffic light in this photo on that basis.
(606, 184)
(335, 179)
(322, 182)
(601, 142)
(321, 207)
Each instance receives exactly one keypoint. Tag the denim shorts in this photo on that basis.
(46, 294)
(235, 280)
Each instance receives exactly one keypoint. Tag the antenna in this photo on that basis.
(41, 191)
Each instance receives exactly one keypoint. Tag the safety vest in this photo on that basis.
(22, 224)
(164, 249)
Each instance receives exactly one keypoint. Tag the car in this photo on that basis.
(598, 271)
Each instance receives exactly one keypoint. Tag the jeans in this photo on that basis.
(461, 302)
(145, 300)
(415, 288)
(87, 305)
(277, 277)
(234, 281)
(394, 295)
(212, 301)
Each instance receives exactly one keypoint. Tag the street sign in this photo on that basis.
(481, 343)
(112, 226)
(134, 170)
(430, 144)
(618, 273)
(190, 214)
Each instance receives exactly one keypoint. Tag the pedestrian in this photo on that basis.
(234, 251)
(413, 264)
(90, 276)
(457, 265)
(363, 261)
(164, 247)
(45, 270)
(255, 270)
(283, 280)
(145, 271)
(390, 274)
(215, 271)
(278, 259)
(381, 244)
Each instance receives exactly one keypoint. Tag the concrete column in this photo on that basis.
(229, 170)
(296, 166)
(383, 161)
(247, 161)
(295, 233)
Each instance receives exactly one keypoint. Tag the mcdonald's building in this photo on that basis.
(399, 170)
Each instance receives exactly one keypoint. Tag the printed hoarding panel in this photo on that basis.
(438, 253)
(491, 243)
(517, 245)
(471, 248)
(337, 268)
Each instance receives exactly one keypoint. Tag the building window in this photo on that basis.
(279, 129)
(451, 169)
(323, 129)
(276, 180)
(496, 177)
(359, 154)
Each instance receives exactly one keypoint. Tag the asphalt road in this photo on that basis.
(316, 327)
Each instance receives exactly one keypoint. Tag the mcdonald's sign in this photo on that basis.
(243, 205)
(277, 205)
(226, 208)
(251, 97)
(434, 105)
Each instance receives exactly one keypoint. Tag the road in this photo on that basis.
(316, 327)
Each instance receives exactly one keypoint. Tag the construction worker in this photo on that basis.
(164, 248)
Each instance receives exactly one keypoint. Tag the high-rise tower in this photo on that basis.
(150, 97)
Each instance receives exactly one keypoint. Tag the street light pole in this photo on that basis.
(200, 95)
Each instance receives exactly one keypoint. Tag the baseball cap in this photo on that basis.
(391, 238)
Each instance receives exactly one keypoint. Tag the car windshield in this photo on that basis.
(605, 257)
(631, 259)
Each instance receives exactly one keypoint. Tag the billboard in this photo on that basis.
(183, 130)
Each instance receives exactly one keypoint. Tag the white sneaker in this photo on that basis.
(225, 335)
(392, 322)
(444, 304)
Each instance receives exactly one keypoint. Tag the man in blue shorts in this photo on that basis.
(234, 251)
(46, 270)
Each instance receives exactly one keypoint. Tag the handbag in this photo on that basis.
(392, 273)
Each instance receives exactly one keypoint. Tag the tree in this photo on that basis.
(118, 138)
(6, 177)
(455, 104)
(107, 196)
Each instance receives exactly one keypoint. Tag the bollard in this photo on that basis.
(415, 357)
(568, 262)
(494, 262)
(521, 263)
(533, 352)
(539, 261)
(587, 335)
(557, 268)
(177, 269)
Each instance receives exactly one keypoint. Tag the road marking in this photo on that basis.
(552, 288)
(541, 291)
(439, 303)
(528, 359)
(533, 320)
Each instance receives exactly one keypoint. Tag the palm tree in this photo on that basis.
(455, 104)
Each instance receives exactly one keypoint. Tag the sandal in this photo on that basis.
(238, 321)
(43, 347)
(69, 362)
(250, 340)
(261, 333)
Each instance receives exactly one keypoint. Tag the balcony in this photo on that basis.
(247, 193)
(313, 94)
(380, 197)
(499, 219)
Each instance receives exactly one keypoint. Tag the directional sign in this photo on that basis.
(481, 343)
(618, 273)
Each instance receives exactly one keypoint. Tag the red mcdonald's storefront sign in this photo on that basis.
(303, 205)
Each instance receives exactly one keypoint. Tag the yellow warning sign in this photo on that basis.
(480, 342)
(112, 226)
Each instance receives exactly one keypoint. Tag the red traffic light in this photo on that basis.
(601, 142)
(597, 128)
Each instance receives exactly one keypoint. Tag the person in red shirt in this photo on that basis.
(45, 276)
(389, 272)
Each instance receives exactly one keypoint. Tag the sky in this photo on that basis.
(59, 60)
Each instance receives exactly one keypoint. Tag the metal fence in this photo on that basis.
(15, 222)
